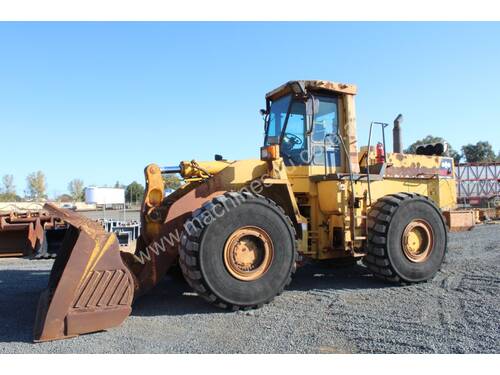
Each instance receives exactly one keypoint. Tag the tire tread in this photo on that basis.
(381, 214)
(190, 245)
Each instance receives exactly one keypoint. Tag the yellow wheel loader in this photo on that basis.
(239, 229)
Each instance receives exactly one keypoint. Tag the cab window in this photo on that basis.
(276, 120)
(325, 124)
(294, 145)
(325, 120)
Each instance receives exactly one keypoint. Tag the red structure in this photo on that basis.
(478, 183)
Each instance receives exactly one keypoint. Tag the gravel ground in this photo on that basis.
(325, 310)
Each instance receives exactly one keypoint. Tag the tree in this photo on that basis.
(8, 190)
(134, 192)
(118, 185)
(65, 198)
(10, 197)
(412, 149)
(479, 153)
(36, 185)
(76, 189)
(455, 155)
(8, 184)
(171, 182)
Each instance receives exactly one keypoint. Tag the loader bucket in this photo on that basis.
(90, 289)
(19, 239)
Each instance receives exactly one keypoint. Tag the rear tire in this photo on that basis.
(407, 238)
(224, 273)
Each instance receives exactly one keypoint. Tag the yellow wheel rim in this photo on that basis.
(248, 253)
(418, 241)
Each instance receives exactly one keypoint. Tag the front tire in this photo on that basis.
(238, 251)
(407, 238)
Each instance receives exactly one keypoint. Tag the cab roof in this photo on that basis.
(312, 85)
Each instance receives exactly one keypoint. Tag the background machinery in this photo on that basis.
(478, 184)
(239, 229)
(34, 234)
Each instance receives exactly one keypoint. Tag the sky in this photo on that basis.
(100, 101)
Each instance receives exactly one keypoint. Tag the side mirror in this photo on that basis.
(264, 113)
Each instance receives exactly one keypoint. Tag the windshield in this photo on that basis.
(287, 126)
(276, 119)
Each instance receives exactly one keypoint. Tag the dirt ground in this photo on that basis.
(325, 310)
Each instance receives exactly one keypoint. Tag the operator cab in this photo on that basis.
(302, 117)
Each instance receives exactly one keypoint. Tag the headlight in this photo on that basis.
(269, 152)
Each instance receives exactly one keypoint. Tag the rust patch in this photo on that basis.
(22, 234)
(90, 288)
(411, 172)
(162, 226)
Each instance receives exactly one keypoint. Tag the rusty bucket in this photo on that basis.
(90, 289)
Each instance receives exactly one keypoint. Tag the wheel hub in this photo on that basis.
(248, 253)
(418, 241)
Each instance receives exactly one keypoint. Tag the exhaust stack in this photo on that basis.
(397, 145)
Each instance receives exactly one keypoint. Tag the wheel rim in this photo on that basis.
(248, 253)
(418, 241)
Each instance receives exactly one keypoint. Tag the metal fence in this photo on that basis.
(126, 231)
(478, 182)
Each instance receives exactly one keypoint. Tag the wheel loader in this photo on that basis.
(239, 229)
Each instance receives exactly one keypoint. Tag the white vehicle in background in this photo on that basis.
(105, 197)
(69, 206)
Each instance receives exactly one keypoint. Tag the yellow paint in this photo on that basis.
(154, 186)
(335, 229)
(193, 169)
(232, 174)
(328, 201)
(410, 160)
(96, 255)
(332, 208)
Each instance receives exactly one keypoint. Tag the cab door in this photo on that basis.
(325, 147)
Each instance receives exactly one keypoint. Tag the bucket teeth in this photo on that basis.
(90, 288)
